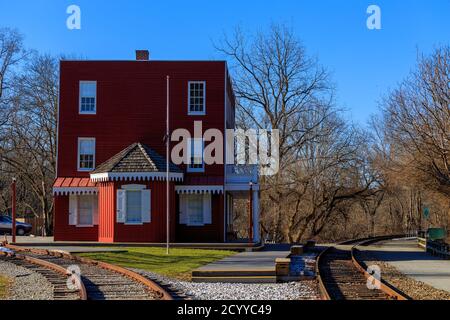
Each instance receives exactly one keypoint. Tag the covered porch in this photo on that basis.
(242, 213)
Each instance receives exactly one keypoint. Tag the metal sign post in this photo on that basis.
(13, 189)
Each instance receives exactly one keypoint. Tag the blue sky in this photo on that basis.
(364, 63)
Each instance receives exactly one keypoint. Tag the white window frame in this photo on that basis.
(79, 98)
(193, 170)
(78, 154)
(196, 113)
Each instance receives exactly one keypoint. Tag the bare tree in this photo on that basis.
(11, 54)
(417, 118)
(276, 84)
(28, 146)
(279, 86)
(416, 124)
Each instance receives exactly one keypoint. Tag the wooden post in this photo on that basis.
(13, 187)
(250, 216)
(167, 167)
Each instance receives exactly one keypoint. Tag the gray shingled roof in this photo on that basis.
(136, 158)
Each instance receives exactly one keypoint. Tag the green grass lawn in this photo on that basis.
(178, 264)
(4, 283)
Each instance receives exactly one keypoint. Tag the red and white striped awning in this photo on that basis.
(67, 186)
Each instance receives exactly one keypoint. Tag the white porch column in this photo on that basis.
(256, 233)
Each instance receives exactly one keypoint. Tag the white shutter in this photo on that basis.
(207, 216)
(146, 206)
(94, 210)
(121, 205)
(183, 209)
(73, 209)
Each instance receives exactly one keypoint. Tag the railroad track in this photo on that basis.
(99, 280)
(57, 278)
(342, 277)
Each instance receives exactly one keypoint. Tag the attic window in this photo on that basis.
(197, 98)
(88, 97)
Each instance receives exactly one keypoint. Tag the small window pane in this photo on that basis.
(195, 209)
(196, 153)
(88, 89)
(85, 210)
(134, 207)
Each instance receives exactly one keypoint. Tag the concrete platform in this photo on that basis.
(245, 267)
(48, 242)
(413, 261)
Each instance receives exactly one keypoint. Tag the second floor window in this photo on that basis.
(88, 97)
(197, 98)
(86, 154)
(195, 157)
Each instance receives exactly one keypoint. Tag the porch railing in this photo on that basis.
(242, 173)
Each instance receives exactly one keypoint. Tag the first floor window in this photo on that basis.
(86, 154)
(195, 209)
(83, 210)
(133, 204)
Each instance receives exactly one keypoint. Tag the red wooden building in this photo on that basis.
(111, 166)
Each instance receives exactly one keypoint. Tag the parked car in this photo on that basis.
(21, 228)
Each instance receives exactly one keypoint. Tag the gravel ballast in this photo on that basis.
(304, 290)
(26, 284)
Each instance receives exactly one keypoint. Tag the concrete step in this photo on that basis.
(233, 273)
(236, 279)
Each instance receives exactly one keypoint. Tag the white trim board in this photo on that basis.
(198, 189)
(61, 191)
(136, 176)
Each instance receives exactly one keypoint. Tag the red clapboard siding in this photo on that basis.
(207, 233)
(155, 231)
(64, 231)
(106, 212)
(131, 106)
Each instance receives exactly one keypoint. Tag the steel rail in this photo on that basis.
(386, 288)
(49, 266)
(150, 284)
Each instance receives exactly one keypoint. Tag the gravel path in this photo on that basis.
(305, 290)
(26, 284)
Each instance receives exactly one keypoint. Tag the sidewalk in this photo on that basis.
(408, 258)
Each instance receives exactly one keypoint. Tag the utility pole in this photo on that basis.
(167, 170)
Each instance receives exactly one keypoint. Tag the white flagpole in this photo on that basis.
(167, 171)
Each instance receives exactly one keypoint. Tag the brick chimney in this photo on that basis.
(142, 55)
